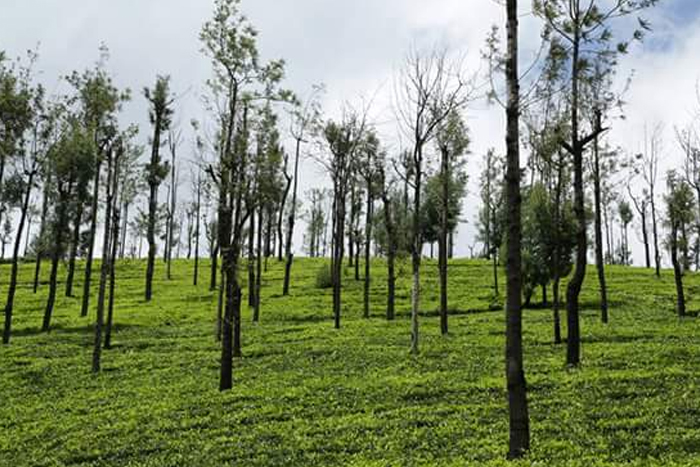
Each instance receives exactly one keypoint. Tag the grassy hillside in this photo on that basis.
(306, 394)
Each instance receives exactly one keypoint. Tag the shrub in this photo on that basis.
(324, 280)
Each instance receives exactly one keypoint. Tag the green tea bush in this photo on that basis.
(324, 279)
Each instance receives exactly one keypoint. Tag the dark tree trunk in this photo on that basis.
(251, 262)
(390, 254)
(112, 273)
(573, 341)
(417, 247)
(59, 228)
(198, 206)
(280, 217)
(42, 231)
(91, 240)
(657, 254)
(599, 261)
(442, 246)
(515, 373)
(290, 223)
(258, 268)
(677, 272)
(15, 261)
(74, 248)
(153, 182)
(368, 250)
(105, 267)
(494, 260)
(170, 237)
(214, 270)
(338, 246)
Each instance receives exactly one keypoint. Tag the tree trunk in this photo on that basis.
(391, 254)
(368, 250)
(42, 231)
(112, 273)
(258, 267)
(677, 273)
(91, 240)
(657, 254)
(416, 249)
(515, 373)
(251, 262)
(74, 249)
(196, 233)
(442, 245)
(61, 225)
(105, 266)
(599, 262)
(15, 262)
(153, 183)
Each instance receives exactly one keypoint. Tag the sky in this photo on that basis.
(355, 49)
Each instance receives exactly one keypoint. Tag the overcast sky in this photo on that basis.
(353, 47)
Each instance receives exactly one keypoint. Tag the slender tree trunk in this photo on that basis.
(515, 373)
(258, 268)
(442, 246)
(645, 237)
(214, 254)
(112, 272)
(15, 262)
(368, 250)
(170, 239)
(42, 232)
(573, 348)
(61, 225)
(599, 262)
(105, 267)
(657, 254)
(124, 228)
(251, 262)
(494, 260)
(153, 183)
(290, 222)
(417, 248)
(677, 273)
(391, 253)
(74, 248)
(338, 246)
(91, 239)
(196, 233)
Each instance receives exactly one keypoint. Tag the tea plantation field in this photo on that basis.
(308, 395)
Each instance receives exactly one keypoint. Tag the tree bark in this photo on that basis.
(368, 250)
(15, 261)
(599, 262)
(442, 245)
(60, 227)
(290, 222)
(515, 374)
(74, 248)
(91, 239)
(105, 266)
(677, 273)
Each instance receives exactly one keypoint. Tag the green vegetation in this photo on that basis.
(306, 394)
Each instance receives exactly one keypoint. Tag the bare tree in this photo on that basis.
(429, 88)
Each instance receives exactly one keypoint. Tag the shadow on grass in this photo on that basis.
(60, 329)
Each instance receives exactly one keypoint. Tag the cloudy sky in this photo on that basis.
(353, 47)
